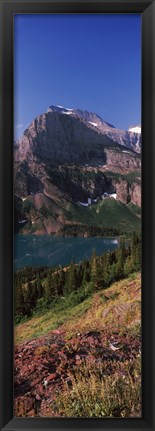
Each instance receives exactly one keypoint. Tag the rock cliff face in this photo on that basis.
(129, 192)
(135, 194)
(56, 138)
(64, 159)
(122, 159)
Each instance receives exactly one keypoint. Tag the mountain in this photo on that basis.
(70, 163)
(130, 138)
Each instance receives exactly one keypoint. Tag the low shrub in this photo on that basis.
(93, 392)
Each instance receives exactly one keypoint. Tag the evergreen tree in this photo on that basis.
(61, 283)
(128, 267)
(120, 260)
(136, 252)
(29, 299)
(70, 284)
(99, 274)
(85, 273)
(112, 273)
(106, 269)
(93, 266)
(19, 300)
(51, 289)
(38, 286)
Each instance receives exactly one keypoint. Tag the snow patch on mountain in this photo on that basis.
(93, 124)
(135, 129)
(67, 113)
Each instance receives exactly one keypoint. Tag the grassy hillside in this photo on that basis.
(120, 303)
(134, 208)
(107, 213)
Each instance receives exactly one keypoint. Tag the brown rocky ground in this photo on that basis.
(42, 365)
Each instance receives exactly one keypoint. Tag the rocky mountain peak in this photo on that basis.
(130, 138)
(92, 118)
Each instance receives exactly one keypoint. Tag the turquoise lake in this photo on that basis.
(45, 250)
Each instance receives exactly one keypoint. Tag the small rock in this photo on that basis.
(51, 377)
(35, 382)
(45, 383)
(40, 389)
(31, 413)
(58, 331)
(53, 346)
(77, 357)
(38, 398)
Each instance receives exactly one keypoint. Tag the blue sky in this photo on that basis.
(91, 62)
